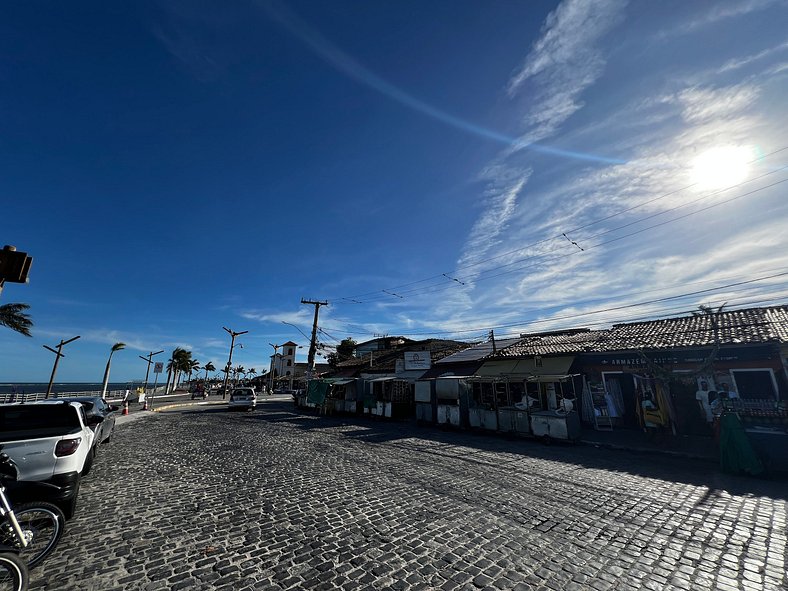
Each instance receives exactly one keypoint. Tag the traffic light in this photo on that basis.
(14, 265)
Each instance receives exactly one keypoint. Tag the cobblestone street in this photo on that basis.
(207, 499)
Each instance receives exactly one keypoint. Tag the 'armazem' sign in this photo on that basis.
(417, 360)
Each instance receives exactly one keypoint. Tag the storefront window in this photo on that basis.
(756, 384)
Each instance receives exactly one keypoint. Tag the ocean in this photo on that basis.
(58, 387)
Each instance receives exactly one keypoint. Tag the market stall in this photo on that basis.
(552, 411)
(388, 397)
(482, 407)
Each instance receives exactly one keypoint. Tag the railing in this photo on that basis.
(33, 396)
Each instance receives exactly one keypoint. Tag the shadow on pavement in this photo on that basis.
(479, 445)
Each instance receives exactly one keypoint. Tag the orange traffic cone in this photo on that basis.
(126, 408)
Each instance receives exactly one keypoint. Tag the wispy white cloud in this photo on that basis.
(720, 11)
(563, 62)
(702, 104)
(740, 62)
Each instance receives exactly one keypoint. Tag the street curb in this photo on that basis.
(180, 404)
(648, 450)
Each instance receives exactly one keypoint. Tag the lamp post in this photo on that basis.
(58, 355)
(230, 359)
(149, 360)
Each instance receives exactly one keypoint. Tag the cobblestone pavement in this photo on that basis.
(207, 499)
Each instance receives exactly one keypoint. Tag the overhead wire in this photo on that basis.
(604, 310)
(444, 286)
(354, 298)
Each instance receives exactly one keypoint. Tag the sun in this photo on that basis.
(722, 167)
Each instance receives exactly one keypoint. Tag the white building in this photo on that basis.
(283, 364)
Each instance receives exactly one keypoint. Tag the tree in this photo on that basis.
(343, 352)
(115, 347)
(194, 366)
(208, 367)
(14, 317)
(238, 370)
(179, 361)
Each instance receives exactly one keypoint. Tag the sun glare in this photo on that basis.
(719, 168)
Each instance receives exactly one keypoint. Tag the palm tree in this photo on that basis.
(13, 316)
(179, 362)
(208, 367)
(184, 363)
(194, 365)
(238, 369)
(115, 347)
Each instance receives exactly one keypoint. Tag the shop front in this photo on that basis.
(388, 397)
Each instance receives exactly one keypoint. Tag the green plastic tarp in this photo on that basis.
(736, 452)
(316, 394)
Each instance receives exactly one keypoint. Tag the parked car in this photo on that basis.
(52, 446)
(100, 416)
(243, 399)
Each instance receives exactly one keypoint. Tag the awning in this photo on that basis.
(451, 370)
(525, 368)
(341, 382)
(386, 379)
(551, 378)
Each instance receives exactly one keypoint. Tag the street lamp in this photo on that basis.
(149, 360)
(58, 355)
(230, 359)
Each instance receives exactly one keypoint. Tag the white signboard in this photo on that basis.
(158, 367)
(417, 360)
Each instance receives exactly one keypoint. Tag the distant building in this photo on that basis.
(283, 364)
(380, 344)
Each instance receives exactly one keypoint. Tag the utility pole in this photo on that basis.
(310, 361)
(230, 359)
(58, 355)
(149, 359)
(273, 363)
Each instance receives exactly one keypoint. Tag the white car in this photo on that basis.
(243, 398)
(50, 442)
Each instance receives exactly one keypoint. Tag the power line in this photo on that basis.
(483, 276)
(354, 299)
(603, 310)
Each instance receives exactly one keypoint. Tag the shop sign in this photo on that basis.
(417, 360)
(665, 358)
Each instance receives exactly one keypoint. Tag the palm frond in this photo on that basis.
(13, 316)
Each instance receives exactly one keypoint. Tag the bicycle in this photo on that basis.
(31, 530)
(13, 571)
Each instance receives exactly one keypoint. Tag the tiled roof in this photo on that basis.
(746, 326)
(385, 360)
(555, 344)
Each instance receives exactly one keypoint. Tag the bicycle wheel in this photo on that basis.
(42, 525)
(13, 573)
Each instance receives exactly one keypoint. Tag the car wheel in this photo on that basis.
(89, 462)
(69, 506)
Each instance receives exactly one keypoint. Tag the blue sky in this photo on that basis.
(176, 167)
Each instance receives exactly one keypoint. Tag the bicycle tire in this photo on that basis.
(13, 573)
(43, 523)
